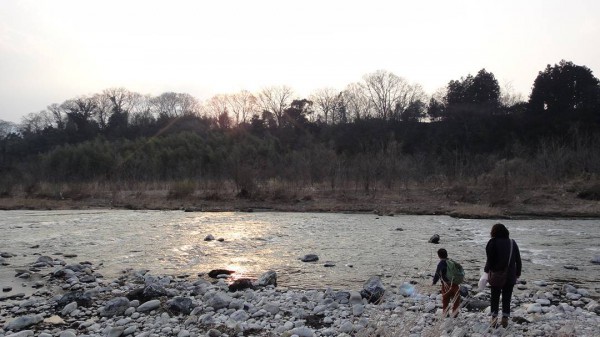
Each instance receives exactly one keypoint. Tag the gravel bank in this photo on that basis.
(75, 300)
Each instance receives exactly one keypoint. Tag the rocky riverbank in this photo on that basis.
(75, 300)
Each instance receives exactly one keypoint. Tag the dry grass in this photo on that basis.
(590, 193)
(549, 201)
(181, 189)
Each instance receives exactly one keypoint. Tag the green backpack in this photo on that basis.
(455, 272)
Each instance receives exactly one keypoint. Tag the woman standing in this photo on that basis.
(504, 267)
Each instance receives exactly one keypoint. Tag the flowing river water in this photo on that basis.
(359, 245)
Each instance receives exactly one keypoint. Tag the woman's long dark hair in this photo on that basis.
(499, 231)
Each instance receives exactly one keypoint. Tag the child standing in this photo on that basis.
(450, 291)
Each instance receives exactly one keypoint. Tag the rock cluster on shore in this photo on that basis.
(75, 300)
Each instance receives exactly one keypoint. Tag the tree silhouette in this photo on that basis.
(473, 95)
(566, 92)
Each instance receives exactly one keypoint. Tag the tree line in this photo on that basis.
(380, 133)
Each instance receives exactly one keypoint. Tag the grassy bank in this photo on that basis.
(574, 199)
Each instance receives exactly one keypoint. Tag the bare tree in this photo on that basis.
(356, 101)
(508, 96)
(36, 122)
(165, 105)
(142, 113)
(122, 99)
(171, 104)
(275, 100)
(217, 105)
(242, 105)
(326, 101)
(104, 108)
(389, 94)
(6, 128)
(82, 105)
(58, 115)
(188, 105)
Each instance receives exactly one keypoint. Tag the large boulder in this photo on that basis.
(45, 259)
(473, 304)
(309, 258)
(115, 307)
(76, 267)
(148, 306)
(593, 306)
(241, 284)
(354, 297)
(154, 290)
(373, 290)
(435, 239)
(23, 322)
(200, 288)
(180, 305)
(268, 278)
(217, 300)
(216, 272)
(302, 331)
(82, 299)
(342, 297)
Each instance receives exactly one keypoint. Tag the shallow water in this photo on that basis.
(360, 245)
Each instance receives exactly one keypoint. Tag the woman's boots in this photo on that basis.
(494, 322)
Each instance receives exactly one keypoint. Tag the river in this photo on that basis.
(359, 245)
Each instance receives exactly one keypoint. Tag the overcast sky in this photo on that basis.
(51, 51)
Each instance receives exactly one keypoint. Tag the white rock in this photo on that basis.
(302, 332)
(534, 308)
(239, 316)
(55, 320)
(183, 333)
(148, 306)
(355, 298)
(358, 309)
(346, 327)
(130, 329)
(69, 308)
(24, 333)
(22, 322)
(583, 292)
(67, 333)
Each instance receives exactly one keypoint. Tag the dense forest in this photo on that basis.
(382, 133)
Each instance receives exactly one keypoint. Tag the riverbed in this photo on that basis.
(356, 245)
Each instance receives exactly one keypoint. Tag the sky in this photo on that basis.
(52, 51)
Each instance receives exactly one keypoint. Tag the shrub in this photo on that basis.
(181, 189)
(590, 193)
(460, 192)
(6, 188)
(75, 192)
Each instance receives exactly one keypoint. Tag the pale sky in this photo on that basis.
(51, 51)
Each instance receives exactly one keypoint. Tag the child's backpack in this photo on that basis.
(455, 272)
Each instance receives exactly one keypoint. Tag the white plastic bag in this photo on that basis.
(482, 281)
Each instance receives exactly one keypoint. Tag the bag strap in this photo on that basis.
(510, 255)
